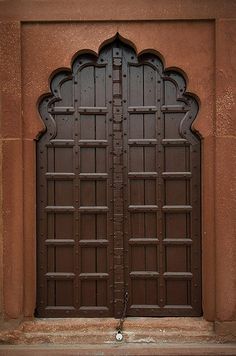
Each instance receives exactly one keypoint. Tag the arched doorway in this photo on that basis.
(118, 185)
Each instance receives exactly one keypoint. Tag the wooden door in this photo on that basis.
(118, 197)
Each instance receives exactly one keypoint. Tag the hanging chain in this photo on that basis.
(123, 316)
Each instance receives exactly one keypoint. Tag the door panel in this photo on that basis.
(118, 197)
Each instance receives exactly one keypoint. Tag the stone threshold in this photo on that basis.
(160, 349)
(103, 330)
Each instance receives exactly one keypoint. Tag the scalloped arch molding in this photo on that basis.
(189, 101)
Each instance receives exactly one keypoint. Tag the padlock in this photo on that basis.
(119, 336)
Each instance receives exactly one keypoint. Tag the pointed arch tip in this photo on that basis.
(119, 37)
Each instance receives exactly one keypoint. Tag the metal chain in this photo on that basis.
(123, 316)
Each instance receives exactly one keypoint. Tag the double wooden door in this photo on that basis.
(118, 198)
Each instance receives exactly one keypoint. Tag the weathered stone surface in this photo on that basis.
(10, 76)
(225, 228)
(12, 195)
(32, 51)
(92, 331)
(226, 77)
(161, 349)
(108, 9)
(226, 331)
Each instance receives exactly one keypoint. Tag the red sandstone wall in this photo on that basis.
(38, 37)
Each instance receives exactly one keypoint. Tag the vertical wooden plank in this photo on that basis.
(136, 126)
(63, 193)
(50, 301)
(64, 227)
(87, 127)
(151, 258)
(136, 86)
(64, 293)
(101, 193)
(175, 159)
(63, 160)
(88, 293)
(149, 126)
(88, 260)
(64, 261)
(87, 92)
(101, 260)
(149, 159)
(102, 293)
(87, 226)
(137, 225)
(101, 162)
(150, 191)
(101, 127)
(136, 159)
(149, 86)
(151, 222)
(177, 292)
(137, 192)
(87, 193)
(50, 233)
(100, 86)
(87, 160)
(138, 256)
(151, 292)
(51, 259)
(138, 294)
(101, 226)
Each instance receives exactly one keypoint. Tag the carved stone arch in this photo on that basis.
(118, 195)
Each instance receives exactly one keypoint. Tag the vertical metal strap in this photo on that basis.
(118, 182)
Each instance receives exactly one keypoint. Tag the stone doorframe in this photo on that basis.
(33, 52)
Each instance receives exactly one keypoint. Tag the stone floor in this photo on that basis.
(141, 336)
(160, 349)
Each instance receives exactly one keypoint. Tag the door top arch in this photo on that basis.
(181, 101)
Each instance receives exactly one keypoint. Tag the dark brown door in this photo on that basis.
(118, 196)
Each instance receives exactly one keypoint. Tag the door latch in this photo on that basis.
(119, 335)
